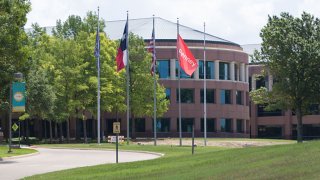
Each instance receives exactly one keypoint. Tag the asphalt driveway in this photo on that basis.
(48, 160)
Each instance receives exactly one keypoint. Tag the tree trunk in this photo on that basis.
(50, 130)
(133, 135)
(55, 130)
(61, 135)
(27, 131)
(45, 131)
(85, 130)
(299, 125)
(68, 130)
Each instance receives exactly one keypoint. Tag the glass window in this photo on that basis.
(168, 94)
(187, 95)
(261, 81)
(225, 125)
(239, 97)
(262, 112)
(186, 124)
(140, 125)
(110, 125)
(210, 125)
(163, 69)
(210, 95)
(163, 125)
(225, 96)
(183, 75)
(240, 125)
(209, 70)
(236, 72)
(224, 71)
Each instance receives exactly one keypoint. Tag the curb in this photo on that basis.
(19, 156)
(147, 152)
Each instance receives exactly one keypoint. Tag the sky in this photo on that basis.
(239, 21)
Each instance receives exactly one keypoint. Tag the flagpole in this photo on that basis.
(178, 57)
(98, 91)
(204, 85)
(128, 79)
(154, 85)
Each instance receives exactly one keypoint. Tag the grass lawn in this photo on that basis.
(291, 161)
(15, 152)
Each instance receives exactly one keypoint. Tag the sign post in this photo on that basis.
(116, 130)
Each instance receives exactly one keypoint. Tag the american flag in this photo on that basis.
(152, 50)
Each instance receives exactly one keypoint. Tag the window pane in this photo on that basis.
(168, 94)
(163, 69)
(186, 124)
(210, 125)
(240, 125)
(201, 70)
(239, 97)
(183, 75)
(140, 125)
(163, 125)
(225, 96)
(209, 70)
(187, 95)
(225, 125)
(210, 95)
(224, 71)
(236, 72)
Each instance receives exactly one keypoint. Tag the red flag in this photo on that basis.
(122, 50)
(187, 61)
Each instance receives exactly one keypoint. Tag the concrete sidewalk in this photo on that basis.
(48, 160)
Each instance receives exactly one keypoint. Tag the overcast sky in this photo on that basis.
(239, 21)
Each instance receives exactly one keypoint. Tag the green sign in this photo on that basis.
(15, 127)
(19, 97)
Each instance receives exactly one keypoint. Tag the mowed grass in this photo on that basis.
(291, 161)
(15, 152)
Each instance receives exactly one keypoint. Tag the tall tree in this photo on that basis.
(40, 93)
(12, 40)
(291, 53)
(141, 82)
(82, 31)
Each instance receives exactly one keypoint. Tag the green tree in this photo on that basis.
(12, 40)
(141, 82)
(40, 93)
(83, 33)
(68, 67)
(291, 53)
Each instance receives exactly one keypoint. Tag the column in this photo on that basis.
(216, 69)
(270, 80)
(245, 126)
(196, 72)
(234, 125)
(218, 124)
(253, 81)
(172, 69)
(232, 71)
(242, 72)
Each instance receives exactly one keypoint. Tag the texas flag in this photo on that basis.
(187, 61)
(122, 50)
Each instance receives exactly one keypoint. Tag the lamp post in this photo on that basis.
(17, 77)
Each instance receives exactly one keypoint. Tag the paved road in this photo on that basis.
(49, 160)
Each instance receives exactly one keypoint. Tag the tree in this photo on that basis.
(12, 41)
(83, 33)
(40, 93)
(291, 53)
(141, 82)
